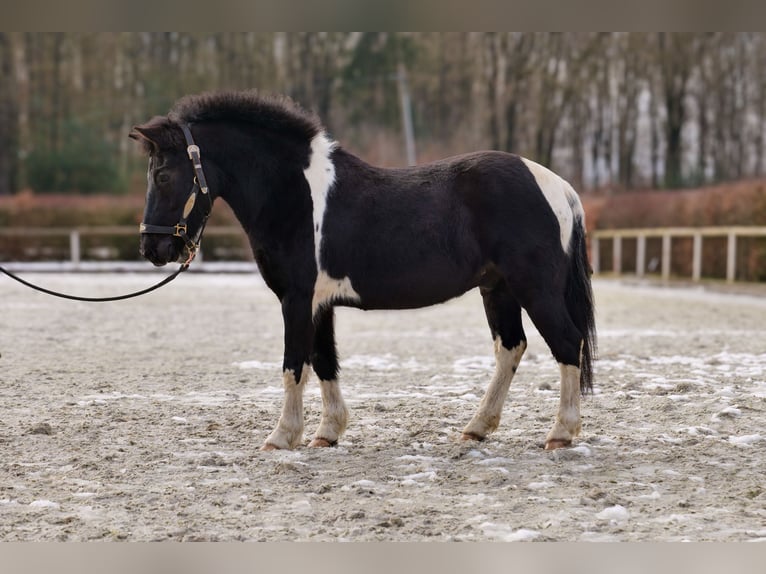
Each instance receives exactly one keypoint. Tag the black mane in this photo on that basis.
(273, 113)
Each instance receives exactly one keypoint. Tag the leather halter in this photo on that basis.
(200, 186)
(177, 230)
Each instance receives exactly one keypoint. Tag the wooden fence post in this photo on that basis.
(697, 257)
(595, 255)
(666, 234)
(731, 257)
(640, 254)
(617, 254)
(666, 244)
(74, 247)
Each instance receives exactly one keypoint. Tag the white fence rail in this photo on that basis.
(77, 262)
(667, 234)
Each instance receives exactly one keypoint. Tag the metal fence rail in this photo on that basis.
(667, 234)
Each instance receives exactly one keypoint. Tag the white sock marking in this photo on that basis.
(334, 412)
(487, 417)
(289, 431)
(567, 425)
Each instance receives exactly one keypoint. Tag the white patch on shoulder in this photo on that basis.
(562, 198)
(327, 290)
(320, 175)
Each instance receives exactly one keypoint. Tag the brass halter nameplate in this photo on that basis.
(189, 205)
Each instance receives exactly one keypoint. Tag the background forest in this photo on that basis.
(609, 111)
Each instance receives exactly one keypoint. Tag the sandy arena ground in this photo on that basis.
(142, 420)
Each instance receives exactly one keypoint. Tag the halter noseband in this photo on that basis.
(200, 186)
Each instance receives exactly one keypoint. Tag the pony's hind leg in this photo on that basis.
(325, 362)
(504, 317)
(552, 319)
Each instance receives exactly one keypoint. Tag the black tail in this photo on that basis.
(579, 302)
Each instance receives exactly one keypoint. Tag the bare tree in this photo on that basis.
(565, 98)
(519, 64)
(8, 114)
(560, 63)
(760, 74)
(675, 64)
(17, 45)
(630, 78)
(495, 73)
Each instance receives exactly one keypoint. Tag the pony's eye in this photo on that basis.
(163, 177)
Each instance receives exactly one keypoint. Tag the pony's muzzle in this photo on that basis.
(159, 249)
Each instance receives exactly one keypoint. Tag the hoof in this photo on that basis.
(555, 443)
(319, 442)
(466, 436)
(269, 446)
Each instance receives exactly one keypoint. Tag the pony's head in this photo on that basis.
(173, 215)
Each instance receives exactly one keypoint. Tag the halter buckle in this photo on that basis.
(180, 230)
(192, 149)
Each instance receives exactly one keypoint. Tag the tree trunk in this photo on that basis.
(17, 42)
(675, 55)
(8, 113)
(654, 136)
(520, 47)
(493, 86)
(627, 109)
(675, 120)
(761, 124)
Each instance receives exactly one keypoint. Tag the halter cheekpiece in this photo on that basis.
(200, 186)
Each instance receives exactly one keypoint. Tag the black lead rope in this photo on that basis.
(177, 230)
(165, 281)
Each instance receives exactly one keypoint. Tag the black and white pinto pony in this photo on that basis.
(328, 229)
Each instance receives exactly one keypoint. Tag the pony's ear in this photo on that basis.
(152, 134)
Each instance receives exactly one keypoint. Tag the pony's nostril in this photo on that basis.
(169, 251)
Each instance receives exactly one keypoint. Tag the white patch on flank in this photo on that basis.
(562, 198)
(327, 290)
(320, 175)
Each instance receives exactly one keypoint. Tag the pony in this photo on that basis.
(327, 229)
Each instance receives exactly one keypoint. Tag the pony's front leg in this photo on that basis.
(296, 311)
